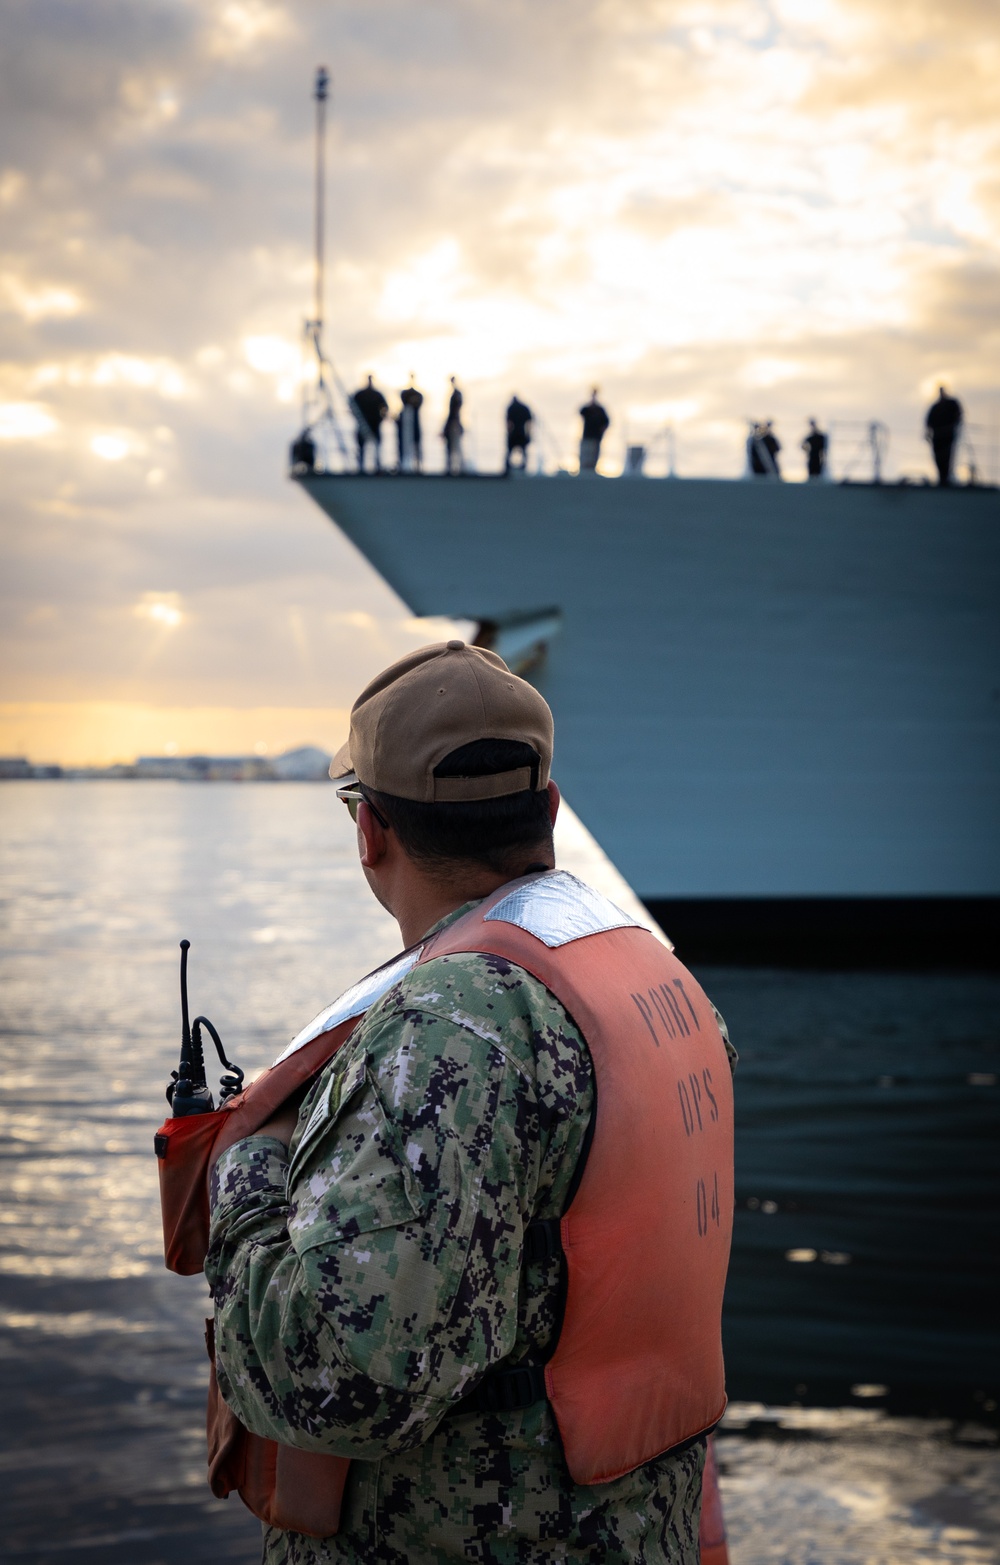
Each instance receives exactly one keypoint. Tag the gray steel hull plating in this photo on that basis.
(761, 691)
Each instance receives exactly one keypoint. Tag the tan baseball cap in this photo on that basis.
(419, 709)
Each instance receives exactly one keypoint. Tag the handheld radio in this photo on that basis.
(299, 1491)
(188, 1091)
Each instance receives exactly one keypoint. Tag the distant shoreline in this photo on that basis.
(307, 763)
(128, 774)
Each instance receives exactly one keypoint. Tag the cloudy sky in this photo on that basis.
(714, 208)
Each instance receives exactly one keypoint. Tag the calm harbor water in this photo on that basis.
(102, 1364)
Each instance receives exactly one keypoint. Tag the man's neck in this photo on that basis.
(418, 898)
(422, 903)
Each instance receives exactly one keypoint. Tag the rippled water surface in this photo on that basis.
(102, 1366)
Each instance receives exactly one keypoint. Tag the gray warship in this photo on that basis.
(778, 712)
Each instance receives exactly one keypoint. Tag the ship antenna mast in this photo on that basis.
(317, 402)
(322, 87)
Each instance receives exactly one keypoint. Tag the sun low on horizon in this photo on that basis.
(714, 210)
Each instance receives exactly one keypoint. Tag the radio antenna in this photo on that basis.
(185, 1024)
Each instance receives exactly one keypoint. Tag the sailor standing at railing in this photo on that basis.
(485, 1257)
(519, 427)
(815, 447)
(411, 454)
(943, 425)
(370, 409)
(452, 432)
(763, 446)
(595, 426)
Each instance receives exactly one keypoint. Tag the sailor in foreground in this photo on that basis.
(484, 1257)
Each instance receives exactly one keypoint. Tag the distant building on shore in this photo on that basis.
(13, 767)
(204, 768)
(306, 764)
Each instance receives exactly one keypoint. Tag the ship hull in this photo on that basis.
(777, 706)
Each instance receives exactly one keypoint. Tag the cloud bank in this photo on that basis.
(715, 209)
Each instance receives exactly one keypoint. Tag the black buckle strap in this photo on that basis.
(543, 1239)
(506, 1390)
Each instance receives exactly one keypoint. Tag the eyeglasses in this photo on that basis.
(353, 796)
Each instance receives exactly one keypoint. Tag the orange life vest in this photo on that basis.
(637, 1369)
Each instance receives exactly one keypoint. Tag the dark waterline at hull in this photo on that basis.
(867, 1232)
(835, 933)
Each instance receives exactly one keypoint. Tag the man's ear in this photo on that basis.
(554, 798)
(371, 837)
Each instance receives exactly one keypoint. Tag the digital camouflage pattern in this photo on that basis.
(364, 1281)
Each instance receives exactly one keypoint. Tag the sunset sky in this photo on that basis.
(714, 210)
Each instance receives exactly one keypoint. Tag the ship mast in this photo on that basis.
(315, 400)
(318, 411)
(320, 95)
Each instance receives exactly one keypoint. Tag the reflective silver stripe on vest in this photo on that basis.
(559, 908)
(355, 1000)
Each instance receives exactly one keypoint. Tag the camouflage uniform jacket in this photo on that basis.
(364, 1281)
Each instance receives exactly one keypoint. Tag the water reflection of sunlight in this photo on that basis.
(885, 1488)
(78, 1323)
(102, 882)
(92, 987)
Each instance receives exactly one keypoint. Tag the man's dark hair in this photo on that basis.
(495, 833)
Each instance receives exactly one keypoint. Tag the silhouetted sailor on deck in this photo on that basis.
(942, 427)
(518, 432)
(772, 445)
(763, 446)
(411, 454)
(370, 408)
(815, 447)
(303, 453)
(595, 422)
(452, 432)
